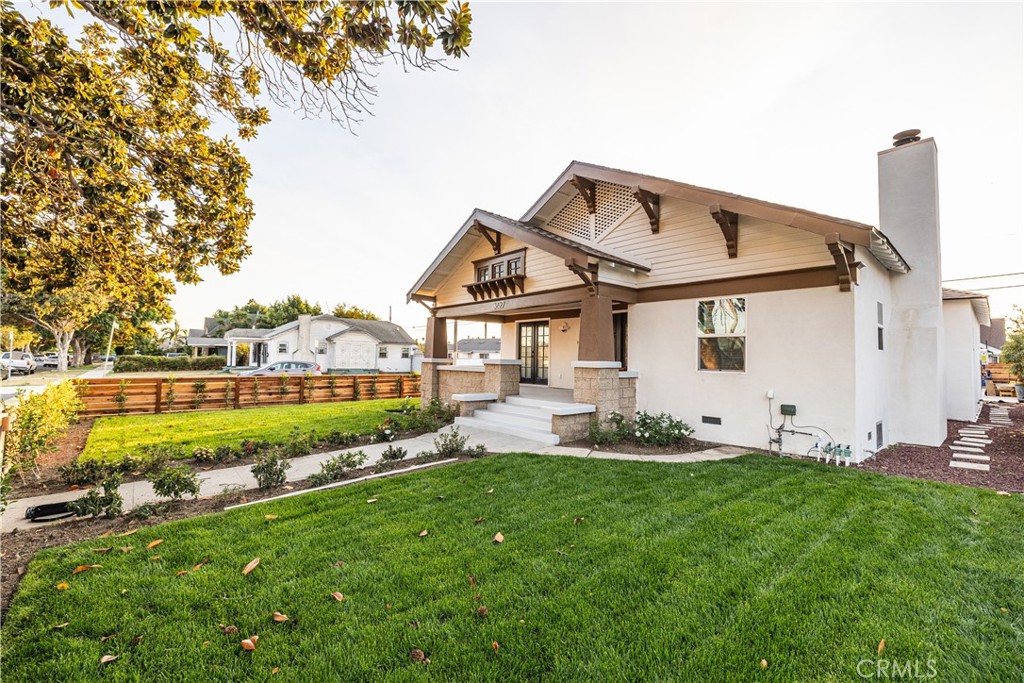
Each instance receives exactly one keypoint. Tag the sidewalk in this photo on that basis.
(137, 493)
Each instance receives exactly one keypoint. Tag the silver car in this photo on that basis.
(18, 361)
(286, 367)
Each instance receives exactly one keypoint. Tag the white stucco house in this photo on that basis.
(628, 291)
(475, 350)
(341, 344)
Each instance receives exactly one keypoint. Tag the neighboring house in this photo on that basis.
(474, 350)
(205, 342)
(333, 343)
(994, 335)
(639, 292)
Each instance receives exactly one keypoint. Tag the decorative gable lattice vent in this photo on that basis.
(573, 220)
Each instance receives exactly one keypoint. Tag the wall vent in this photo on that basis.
(878, 435)
(708, 420)
(574, 221)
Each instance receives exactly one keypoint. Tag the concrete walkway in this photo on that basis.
(137, 493)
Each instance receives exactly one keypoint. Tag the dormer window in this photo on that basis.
(499, 276)
(483, 273)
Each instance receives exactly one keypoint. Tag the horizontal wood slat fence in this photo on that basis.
(148, 395)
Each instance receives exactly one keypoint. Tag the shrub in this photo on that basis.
(82, 472)
(109, 503)
(394, 453)
(39, 420)
(356, 392)
(122, 395)
(431, 418)
(158, 363)
(199, 387)
(147, 510)
(617, 431)
(338, 439)
(450, 444)
(169, 396)
(269, 470)
(334, 468)
(386, 431)
(255, 390)
(253, 447)
(659, 430)
(477, 451)
(308, 385)
(373, 387)
(222, 453)
(283, 388)
(204, 454)
(159, 455)
(174, 482)
(299, 443)
(332, 384)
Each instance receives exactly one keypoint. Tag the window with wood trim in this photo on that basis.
(722, 334)
(499, 276)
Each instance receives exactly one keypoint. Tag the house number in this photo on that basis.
(498, 305)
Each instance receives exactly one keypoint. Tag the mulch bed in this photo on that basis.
(17, 547)
(1006, 468)
(684, 446)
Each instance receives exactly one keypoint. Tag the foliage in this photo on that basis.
(270, 470)
(174, 481)
(356, 391)
(386, 431)
(299, 443)
(255, 391)
(256, 315)
(109, 503)
(222, 453)
(1013, 350)
(147, 510)
(340, 439)
(450, 444)
(204, 454)
(169, 393)
(24, 336)
(250, 447)
(373, 387)
(121, 398)
(158, 363)
(332, 385)
(431, 418)
(343, 310)
(199, 397)
(394, 453)
(334, 468)
(617, 431)
(229, 394)
(307, 385)
(659, 429)
(283, 384)
(38, 421)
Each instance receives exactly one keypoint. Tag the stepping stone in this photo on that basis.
(967, 449)
(975, 435)
(969, 465)
(980, 442)
(968, 456)
(968, 443)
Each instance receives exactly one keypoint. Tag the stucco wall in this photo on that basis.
(799, 343)
(872, 365)
(962, 367)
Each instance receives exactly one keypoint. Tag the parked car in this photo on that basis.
(18, 361)
(49, 360)
(175, 355)
(286, 367)
(111, 358)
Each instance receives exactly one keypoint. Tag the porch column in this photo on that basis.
(231, 353)
(435, 355)
(596, 373)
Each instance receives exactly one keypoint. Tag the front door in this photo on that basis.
(534, 352)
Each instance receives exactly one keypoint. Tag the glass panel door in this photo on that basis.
(534, 352)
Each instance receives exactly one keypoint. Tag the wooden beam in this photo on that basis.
(585, 272)
(588, 190)
(652, 206)
(568, 295)
(729, 223)
(846, 268)
(495, 240)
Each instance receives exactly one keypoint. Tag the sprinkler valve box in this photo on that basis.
(788, 409)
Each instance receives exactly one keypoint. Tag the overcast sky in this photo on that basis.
(786, 103)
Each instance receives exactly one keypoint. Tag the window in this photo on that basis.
(382, 352)
(483, 273)
(405, 352)
(282, 347)
(498, 270)
(484, 356)
(515, 265)
(722, 334)
(881, 328)
(503, 265)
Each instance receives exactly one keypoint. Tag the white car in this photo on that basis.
(49, 360)
(18, 361)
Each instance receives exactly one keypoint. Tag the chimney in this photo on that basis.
(303, 350)
(908, 214)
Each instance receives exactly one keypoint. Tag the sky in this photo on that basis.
(783, 102)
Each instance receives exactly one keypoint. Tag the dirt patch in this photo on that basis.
(685, 446)
(69, 447)
(17, 547)
(1006, 468)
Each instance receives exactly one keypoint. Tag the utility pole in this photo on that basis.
(110, 342)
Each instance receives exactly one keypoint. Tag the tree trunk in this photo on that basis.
(63, 339)
(81, 351)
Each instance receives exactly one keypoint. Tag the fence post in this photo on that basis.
(238, 393)
(302, 390)
(159, 395)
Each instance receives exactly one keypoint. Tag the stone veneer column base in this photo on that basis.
(501, 377)
(597, 383)
(430, 384)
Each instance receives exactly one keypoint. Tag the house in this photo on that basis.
(475, 349)
(336, 344)
(621, 291)
(205, 342)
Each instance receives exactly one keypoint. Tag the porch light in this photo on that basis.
(565, 327)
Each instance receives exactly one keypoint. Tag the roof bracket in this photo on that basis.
(588, 190)
(586, 272)
(652, 206)
(729, 223)
(847, 268)
(494, 239)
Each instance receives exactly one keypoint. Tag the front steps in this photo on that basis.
(528, 418)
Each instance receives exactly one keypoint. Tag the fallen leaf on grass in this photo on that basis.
(499, 537)
(181, 573)
(481, 611)
(21, 571)
(472, 580)
(881, 645)
(495, 645)
(479, 520)
(414, 624)
(578, 520)
(155, 558)
(154, 544)
(280, 618)
(340, 563)
(205, 560)
(127, 548)
(250, 643)
(101, 550)
(1002, 493)
(228, 630)
(274, 670)
(86, 567)
(371, 501)
(249, 567)
(129, 533)
(138, 639)
(337, 596)
(764, 663)
(387, 605)
(423, 533)
(417, 655)
(490, 491)
(206, 644)
(106, 638)
(269, 516)
(477, 598)
(106, 659)
(1004, 610)
(60, 626)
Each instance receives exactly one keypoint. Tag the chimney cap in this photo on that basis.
(906, 136)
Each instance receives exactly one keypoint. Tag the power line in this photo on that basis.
(982, 277)
(989, 289)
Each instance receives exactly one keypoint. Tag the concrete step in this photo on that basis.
(968, 456)
(970, 443)
(527, 412)
(969, 465)
(539, 421)
(550, 407)
(533, 434)
(968, 449)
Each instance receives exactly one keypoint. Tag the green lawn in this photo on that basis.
(677, 572)
(113, 437)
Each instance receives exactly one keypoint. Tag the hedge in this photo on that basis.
(148, 363)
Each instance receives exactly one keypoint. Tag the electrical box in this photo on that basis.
(788, 409)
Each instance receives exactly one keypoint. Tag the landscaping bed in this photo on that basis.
(1006, 468)
(748, 569)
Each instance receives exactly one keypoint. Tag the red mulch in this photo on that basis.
(1006, 468)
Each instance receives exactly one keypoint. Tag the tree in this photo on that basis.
(1013, 350)
(287, 310)
(112, 179)
(25, 337)
(343, 310)
(174, 336)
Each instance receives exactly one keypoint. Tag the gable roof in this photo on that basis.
(248, 332)
(381, 330)
(979, 302)
(478, 345)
